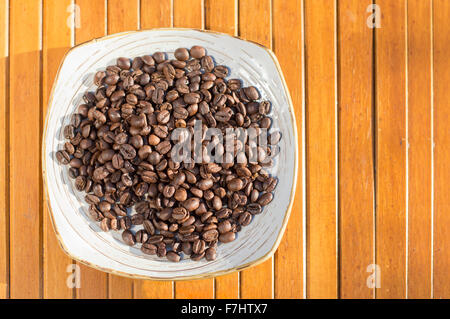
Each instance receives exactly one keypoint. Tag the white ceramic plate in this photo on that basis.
(82, 239)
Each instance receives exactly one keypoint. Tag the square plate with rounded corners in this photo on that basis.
(82, 239)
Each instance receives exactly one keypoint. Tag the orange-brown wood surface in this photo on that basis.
(92, 19)
(56, 41)
(420, 148)
(441, 118)
(288, 46)
(4, 155)
(391, 143)
(372, 110)
(255, 24)
(356, 174)
(25, 129)
(321, 144)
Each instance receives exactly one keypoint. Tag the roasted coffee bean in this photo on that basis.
(125, 222)
(128, 238)
(254, 209)
(198, 246)
(210, 254)
(197, 52)
(149, 249)
(63, 157)
(149, 228)
(173, 256)
(197, 257)
(227, 237)
(265, 199)
(245, 219)
(127, 151)
(191, 204)
(210, 235)
(181, 54)
(235, 184)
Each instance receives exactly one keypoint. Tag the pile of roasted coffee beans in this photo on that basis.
(118, 149)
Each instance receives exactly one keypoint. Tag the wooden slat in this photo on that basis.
(56, 42)
(321, 267)
(4, 155)
(255, 25)
(391, 149)
(189, 14)
(441, 66)
(288, 266)
(356, 174)
(154, 14)
(94, 283)
(221, 16)
(419, 156)
(122, 16)
(25, 179)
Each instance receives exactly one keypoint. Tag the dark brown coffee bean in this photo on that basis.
(210, 254)
(198, 246)
(128, 238)
(63, 157)
(265, 199)
(210, 235)
(148, 226)
(173, 256)
(197, 52)
(197, 257)
(181, 54)
(227, 237)
(179, 213)
(124, 63)
(191, 204)
(235, 184)
(155, 239)
(149, 249)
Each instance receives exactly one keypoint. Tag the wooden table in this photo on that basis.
(371, 217)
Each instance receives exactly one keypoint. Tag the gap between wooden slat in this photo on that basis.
(5, 156)
(432, 145)
(336, 138)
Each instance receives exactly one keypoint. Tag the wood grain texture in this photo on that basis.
(25, 179)
(391, 149)
(356, 174)
(189, 14)
(419, 152)
(4, 151)
(222, 16)
(155, 14)
(288, 265)
(255, 24)
(55, 43)
(441, 66)
(122, 16)
(321, 146)
(94, 283)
